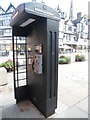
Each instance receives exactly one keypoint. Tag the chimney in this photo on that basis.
(33, 0)
(79, 15)
(42, 2)
(58, 9)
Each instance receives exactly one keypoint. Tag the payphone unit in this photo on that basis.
(38, 64)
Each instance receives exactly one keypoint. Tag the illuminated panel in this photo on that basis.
(27, 22)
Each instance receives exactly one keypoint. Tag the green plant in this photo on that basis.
(68, 60)
(64, 60)
(79, 58)
(82, 58)
(8, 65)
(3, 64)
(62, 56)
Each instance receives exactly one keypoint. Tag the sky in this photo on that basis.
(78, 5)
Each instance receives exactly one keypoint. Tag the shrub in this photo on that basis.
(62, 56)
(68, 60)
(82, 58)
(79, 58)
(64, 60)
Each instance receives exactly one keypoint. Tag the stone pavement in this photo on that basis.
(72, 95)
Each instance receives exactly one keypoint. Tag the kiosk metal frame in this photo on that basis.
(39, 25)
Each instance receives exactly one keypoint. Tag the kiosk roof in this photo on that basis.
(27, 13)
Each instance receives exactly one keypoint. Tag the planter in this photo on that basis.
(64, 60)
(3, 76)
(79, 58)
(9, 70)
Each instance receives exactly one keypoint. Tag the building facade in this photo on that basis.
(5, 29)
(74, 32)
(82, 31)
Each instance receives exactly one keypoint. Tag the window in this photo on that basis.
(75, 39)
(82, 27)
(74, 29)
(70, 28)
(6, 22)
(81, 36)
(1, 23)
(1, 33)
(65, 27)
(77, 36)
(3, 47)
(70, 37)
(67, 38)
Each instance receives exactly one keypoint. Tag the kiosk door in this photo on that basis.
(20, 68)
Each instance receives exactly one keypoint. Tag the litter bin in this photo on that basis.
(39, 25)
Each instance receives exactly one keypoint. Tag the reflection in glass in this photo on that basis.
(22, 83)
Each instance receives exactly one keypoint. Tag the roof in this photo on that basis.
(3, 11)
(9, 7)
(69, 22)
(76, 21)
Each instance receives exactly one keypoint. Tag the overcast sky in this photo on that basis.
(78, 5)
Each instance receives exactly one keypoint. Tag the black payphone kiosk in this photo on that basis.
(38, 25)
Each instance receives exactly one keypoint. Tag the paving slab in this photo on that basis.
(69, 100)
(61, 107)
(80, 92)
(73, 112)
(10, 110)
(62, 91)
(72, 95)
(24, 109)
(53, 116)
(83, 105)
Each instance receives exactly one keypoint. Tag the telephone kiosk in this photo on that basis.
(39, 25)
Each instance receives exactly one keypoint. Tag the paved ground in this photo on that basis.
(72, 95)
